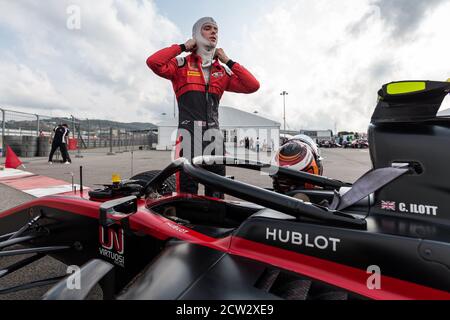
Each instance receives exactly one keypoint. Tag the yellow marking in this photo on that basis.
(405, 87)
(194, 74)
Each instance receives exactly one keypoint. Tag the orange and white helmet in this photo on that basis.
(299, 153)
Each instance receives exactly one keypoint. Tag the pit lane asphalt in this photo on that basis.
(342, 164)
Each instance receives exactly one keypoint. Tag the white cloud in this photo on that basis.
(24, 86)
(332, 73)
(98, 71)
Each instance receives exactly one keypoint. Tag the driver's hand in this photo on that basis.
(222, 56)
(190, 45)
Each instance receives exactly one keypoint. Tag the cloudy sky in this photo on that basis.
(331, 56)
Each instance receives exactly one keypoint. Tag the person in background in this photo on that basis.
(60, 138)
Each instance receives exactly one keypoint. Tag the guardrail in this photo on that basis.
(30, 134)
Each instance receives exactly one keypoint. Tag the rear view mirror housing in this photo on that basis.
(117, 209)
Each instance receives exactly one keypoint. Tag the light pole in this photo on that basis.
(284, 94)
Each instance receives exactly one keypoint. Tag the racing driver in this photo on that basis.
(199, 80)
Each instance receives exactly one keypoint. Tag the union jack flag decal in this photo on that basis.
(388, 205)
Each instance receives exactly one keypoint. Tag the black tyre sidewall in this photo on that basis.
(146, 176)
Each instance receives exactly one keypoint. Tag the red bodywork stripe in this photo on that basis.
(349, 278)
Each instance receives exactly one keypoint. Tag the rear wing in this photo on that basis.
(409, 101)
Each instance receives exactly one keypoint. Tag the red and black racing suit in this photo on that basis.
(198, 101)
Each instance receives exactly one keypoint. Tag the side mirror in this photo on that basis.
(117, 210)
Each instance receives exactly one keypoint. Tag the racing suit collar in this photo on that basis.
(197, 57)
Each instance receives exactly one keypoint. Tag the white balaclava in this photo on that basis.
(205, 48)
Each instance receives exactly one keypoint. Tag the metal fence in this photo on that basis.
(30, 135)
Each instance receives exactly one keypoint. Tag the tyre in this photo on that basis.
(144, 177)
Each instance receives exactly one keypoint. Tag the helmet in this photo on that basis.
(309, 141)
(298, 153)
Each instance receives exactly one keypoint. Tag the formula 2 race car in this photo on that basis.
(387, 236)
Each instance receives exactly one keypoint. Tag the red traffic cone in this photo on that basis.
(12, 160)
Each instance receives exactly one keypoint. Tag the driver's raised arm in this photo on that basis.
(164, 63)
(242, 81)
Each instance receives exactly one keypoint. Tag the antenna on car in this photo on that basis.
(81, 180)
